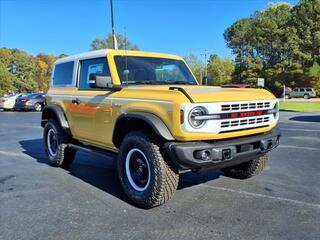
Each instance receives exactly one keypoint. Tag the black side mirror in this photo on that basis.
(207, 81)
(100, 81)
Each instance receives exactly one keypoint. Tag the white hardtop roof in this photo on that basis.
(102, 53)
(85, 55)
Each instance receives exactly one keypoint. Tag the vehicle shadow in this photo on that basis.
(101, 172)
(311, 118)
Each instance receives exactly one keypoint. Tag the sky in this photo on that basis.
(169, 26)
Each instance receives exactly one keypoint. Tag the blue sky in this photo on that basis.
(171, 26)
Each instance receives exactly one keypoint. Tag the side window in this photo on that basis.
(63, 73)
(309, 90)
(301, 89)
(95, 66)
(296, 90)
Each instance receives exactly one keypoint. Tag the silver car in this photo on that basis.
(303, 92)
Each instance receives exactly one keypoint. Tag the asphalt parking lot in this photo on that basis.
(86, 201)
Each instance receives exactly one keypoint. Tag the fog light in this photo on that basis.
(204, 155)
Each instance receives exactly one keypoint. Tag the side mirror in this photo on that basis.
(100, 81)
(207, 81)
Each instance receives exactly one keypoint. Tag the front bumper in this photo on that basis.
(221, 154)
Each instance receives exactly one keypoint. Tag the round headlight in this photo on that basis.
(196, 112)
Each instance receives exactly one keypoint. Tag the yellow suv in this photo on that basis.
(149, 108)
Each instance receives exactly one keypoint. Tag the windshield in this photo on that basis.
(150, 70)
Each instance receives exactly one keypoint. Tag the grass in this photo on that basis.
(300, 106)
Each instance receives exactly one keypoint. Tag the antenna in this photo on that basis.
(126, 57)
(115, 44)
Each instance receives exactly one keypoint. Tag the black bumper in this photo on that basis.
(221, 154)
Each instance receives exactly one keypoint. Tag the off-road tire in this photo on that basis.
(164, 177)
(64, 155)
(247, 169)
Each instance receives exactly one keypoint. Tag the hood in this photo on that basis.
(218, 94)
(199, 94)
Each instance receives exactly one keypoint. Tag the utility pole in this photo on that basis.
(205, 62)
(115, 44)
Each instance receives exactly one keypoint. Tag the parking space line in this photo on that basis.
(297, 147)
(300, 129)
(12, 154)
(258, 195)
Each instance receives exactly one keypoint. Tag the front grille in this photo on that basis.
(244, 122)
(244, 106)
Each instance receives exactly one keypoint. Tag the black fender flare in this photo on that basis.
(152, 120)
(56, 112)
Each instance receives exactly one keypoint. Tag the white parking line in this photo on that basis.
(258, 195)
(12, 154)
(297, 147)
(300, 129)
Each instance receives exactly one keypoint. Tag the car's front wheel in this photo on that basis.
(56, 145)
(147, 178)
(306, 96)
(247, 169)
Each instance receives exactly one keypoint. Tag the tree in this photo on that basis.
(5, 80)
(43, 69)
(220, 70)
(123, 43)
(314, 74)
(196, 65)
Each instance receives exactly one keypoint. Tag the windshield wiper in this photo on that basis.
(138, 82)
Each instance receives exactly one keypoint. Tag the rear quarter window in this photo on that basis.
(63, 73)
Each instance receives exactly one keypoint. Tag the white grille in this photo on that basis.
(232, 124)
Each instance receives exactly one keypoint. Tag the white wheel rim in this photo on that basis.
(128, 171)
(38, 107)
(50, 135)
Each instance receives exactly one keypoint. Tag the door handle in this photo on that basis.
(76, 101)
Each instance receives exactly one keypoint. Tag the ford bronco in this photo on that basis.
(150, 110)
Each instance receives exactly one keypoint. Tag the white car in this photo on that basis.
(7, 103)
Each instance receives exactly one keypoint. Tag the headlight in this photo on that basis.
(194, 121)
(274, 111)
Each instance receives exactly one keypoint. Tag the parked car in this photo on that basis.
(305, 92)
(34, 101)
(7, 103)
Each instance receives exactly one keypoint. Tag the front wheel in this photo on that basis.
(147, 178)
(247, 169)
(56, 145)
(306, 96)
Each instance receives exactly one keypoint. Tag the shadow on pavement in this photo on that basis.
(101, 173)
(311, 118)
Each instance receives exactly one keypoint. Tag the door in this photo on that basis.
(295, 92)
(91, 112)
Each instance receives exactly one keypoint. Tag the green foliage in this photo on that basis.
(220, 70)
(22, 72)
(196, 65)
(279, 43)
(123, 43)
(5, 80)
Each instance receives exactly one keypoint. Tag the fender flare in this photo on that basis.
(57, 112)
(152, 120)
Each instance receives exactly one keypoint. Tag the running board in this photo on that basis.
(92, 150)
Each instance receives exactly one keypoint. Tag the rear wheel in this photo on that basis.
(247, 169)
(147, 178)
(38, 107)
(56, 145)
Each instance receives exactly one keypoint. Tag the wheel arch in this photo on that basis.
(127, 122)
(55, 112)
